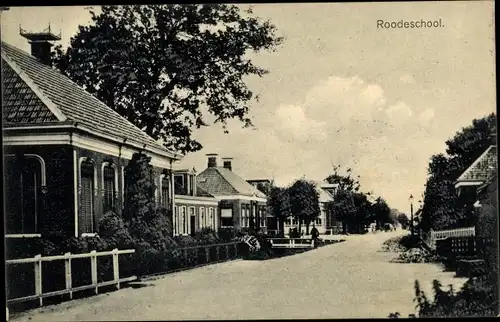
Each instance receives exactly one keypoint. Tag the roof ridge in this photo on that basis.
(255, 191)
(36, 90)
(93, 97)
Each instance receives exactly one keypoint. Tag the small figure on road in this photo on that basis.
(314, 235)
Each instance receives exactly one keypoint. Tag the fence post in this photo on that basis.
(236, 250)
(207, 253)
(116, 268)
(67, 269)
(227, 251)
(38, 278)
(217, 250)
(186, 257)
(93, 269)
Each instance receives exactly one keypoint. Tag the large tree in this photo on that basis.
(342, 208)
(381, 211)
(165, 68)
(278, 202)
(304, 202)
(442, 207)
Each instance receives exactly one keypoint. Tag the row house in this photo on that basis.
(65, 152)
(241, 205)
(195, 208)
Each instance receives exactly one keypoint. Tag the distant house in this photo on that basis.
(325, 222)
(480, 170)
(480, 176)
(64, 150)
(241, 205)
(195, 208)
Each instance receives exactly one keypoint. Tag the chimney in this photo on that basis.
(41, 44)
(212, 160)
(227, 163)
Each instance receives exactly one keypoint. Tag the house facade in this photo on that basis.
(480, 174)
(195, 208)
(65, 152)
(325, 223)
(241, 205)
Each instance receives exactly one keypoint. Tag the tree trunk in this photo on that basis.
(307, 227)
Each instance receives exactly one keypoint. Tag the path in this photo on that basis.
(346, 280)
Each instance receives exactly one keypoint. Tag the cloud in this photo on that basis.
(293, 120)
(399, 112)
(426, 116)
(338, 121)
(407, 79)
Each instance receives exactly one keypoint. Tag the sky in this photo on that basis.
(343, 92)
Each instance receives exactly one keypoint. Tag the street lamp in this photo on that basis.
(411, 214)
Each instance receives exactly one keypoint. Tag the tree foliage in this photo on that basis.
(304, 202)
(345, 182)
(165, 68)
(278, 202)
(442, 207)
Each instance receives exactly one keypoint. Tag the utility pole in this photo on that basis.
(411, 214)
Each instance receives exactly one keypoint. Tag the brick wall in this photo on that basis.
(56, 207)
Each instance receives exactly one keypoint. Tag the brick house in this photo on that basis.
(64, 150)
(195, 208)
(241, 205)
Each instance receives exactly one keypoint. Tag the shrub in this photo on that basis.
(416, 255)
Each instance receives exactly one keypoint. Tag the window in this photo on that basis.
(226, 218)
(109, 187)
(164, 192)
(22, 195)
(318, 221)
(211, 218)
(183, 222)
(175, 220)
(179, 180)
(87, 186)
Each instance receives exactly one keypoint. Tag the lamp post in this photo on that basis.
(411, 214)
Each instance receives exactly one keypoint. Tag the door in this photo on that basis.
(192, 224)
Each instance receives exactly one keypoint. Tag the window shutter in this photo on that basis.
(85, 216)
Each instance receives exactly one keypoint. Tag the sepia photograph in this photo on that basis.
(239, 161)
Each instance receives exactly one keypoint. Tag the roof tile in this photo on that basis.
(76, 103)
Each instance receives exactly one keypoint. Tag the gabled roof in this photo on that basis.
(481, 170)
(324, 195)
(220, 181)
(38, 94)
(200, 192)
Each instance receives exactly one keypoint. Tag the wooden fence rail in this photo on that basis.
(69, 289)
(432, 236)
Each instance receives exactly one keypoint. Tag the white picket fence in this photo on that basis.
(69, 289)
(291, 243)
(432, 236)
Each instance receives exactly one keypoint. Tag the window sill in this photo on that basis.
(23, 235)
